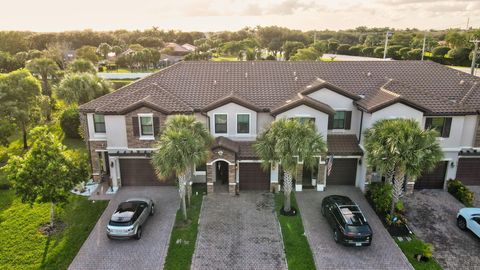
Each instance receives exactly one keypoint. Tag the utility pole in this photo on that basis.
(474, 56)
(468, 22)
(389, 34)
(423, 47)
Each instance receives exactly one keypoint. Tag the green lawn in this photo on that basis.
(23, 247)
(297, 249)
(180, 255)
(410, 248)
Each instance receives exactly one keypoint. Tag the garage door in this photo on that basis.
(253, 177)
(344, 172)
(468, 171)
(433, 179)
(139, 172)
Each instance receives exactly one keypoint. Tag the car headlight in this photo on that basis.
(108, 229)
(130, 229)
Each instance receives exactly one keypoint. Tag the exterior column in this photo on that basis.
(113, 170)
(210, 179)
(322, 176)
(299, 177)
(232, 179)
(274, 173)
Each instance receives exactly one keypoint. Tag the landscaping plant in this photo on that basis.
(461, 192)
(400, 147)
(289, 142)
(184, 143)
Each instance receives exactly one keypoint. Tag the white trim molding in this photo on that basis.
(220, 159)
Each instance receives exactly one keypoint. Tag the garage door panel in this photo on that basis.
(434, 179)
(468, 171)
(140, 172)
(344, 172)
(253, 177)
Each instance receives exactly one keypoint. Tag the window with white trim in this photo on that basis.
(220, 123)
(99, 123)
(243, 123)
(146, 125)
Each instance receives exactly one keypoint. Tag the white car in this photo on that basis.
(469, 218)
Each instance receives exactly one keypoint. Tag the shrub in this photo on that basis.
(415, 54)
(461, 192)
(380, 195)
(343, 49)
(355, 50)
(440, 51)
(368, 51)
(70, 123)
(378, 52)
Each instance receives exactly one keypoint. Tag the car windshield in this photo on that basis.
(124, 213)
(353, 215)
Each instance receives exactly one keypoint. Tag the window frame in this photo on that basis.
(338, 120)
(95, 130)
(309, 117)
(249, 124)
(443, 132)
(215, 123)
(140, 126)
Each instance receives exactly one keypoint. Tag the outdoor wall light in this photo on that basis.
(359, 161)
(452, 164)
(111, 164)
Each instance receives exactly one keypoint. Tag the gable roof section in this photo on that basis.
(226, 143)
(397, 92)
(231, 98)
(343, 145)
(266, 84)
(300, 99)
(319, 84)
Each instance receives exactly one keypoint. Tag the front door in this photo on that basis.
(221, 172)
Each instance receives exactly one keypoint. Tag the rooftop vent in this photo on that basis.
(296, 78)
(214, 82)
(246, 74)
(288, 101)
(462, 82)
(369, 74)
(294, 73)
(361, 96)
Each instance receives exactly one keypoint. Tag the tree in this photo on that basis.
(288, 142)
(415, 54)
(403, 52)
(46, 68)
(309, 53)
(400, 147)
(88, 53)
(104, 49)
(343, 49)
(355, 50)
(333, 46)
(19, 92)
(457, 39)
(79, 88)
(70, 123)
(401, 38)
(184, 143)
(440, 51)
(82, 65)
(45, 173)
(368, 51)
(290, 48)
(460, 55)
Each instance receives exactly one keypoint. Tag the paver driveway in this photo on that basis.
(432, 216)
(98, 252)
(382, 254)
(476, 191)
(240, 232)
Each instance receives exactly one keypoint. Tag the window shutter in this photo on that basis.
(136, 131)
(330, 122)
(156, 126)
(348, 120)
(446, 127)
(428, 123)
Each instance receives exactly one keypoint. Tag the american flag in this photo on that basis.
(329, 165)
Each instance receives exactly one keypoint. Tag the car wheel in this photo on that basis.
(461, 223)
(152, 210)
(109, 237)
(139, 233)
(335, 236)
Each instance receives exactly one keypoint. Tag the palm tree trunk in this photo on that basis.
(182, 181)
(52, 212)
(287, 190)
(398, 180)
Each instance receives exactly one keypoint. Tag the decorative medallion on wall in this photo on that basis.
(220, 153)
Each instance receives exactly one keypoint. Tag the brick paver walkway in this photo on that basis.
(148, 253)
(476, 191)
(382, 254)
(432, 215)
(240, 232)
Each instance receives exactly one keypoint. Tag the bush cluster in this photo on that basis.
(461, 192)
(380, 195)
(70, 123)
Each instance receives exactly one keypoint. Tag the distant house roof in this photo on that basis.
(269, 85)
(189, 47)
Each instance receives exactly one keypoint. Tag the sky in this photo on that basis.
(217, 15)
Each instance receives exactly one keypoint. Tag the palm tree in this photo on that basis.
(287, 141)
(400, 147)
(45, 68)
(184, 143)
